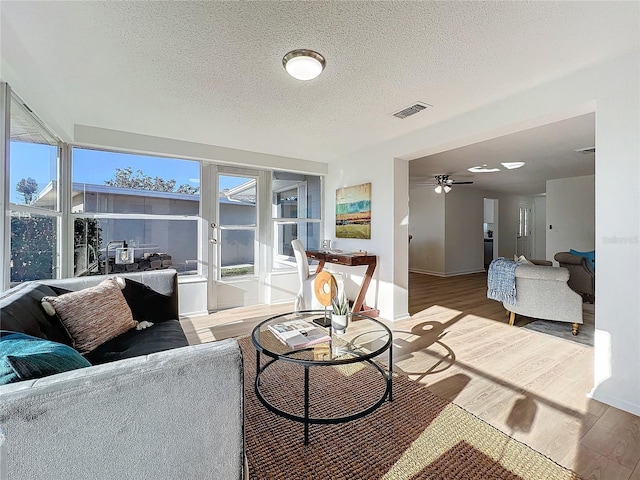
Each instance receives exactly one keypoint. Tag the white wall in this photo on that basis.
(426, 224)
(192, 296)
(447, 231)
(389, 230)
(571, 211)
(540, 247)
(464, 216)
(131, 142)
(614, 87)
(508, 222)
(400, 275)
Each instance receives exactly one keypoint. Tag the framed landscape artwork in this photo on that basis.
(353, 211)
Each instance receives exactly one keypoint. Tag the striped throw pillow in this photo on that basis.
(93, 315)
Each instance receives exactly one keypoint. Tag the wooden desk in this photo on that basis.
(350, 260)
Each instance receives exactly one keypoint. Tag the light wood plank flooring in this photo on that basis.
(529, 385)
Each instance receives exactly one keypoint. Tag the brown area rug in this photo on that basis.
(416, 436)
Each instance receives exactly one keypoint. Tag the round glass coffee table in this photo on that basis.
(364, 339)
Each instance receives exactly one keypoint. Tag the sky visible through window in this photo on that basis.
(95, 167)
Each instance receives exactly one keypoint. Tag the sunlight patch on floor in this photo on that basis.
(452, 427)
(443, 314)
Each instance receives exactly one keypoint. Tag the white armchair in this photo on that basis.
(305, 299)
(542, 292)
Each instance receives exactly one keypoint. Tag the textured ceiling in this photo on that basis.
(211, 72)
(549, 152)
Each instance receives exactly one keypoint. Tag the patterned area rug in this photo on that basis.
(563, 330)
(417, 436)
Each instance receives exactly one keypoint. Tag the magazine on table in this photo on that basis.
(299, 334)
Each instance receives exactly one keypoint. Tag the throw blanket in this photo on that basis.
(501, 280)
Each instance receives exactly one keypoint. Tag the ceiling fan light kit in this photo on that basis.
(443, 183)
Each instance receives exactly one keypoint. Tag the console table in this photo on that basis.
(350, 260)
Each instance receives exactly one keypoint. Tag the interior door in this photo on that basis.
(233, 239)
(524, 241)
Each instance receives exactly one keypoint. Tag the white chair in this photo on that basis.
(305, 300)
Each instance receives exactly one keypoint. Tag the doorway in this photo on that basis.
(233, 244)
(490, 230)
(526, 230)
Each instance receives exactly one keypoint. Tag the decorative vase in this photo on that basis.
(339, 323)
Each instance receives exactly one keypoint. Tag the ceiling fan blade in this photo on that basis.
(461, 183)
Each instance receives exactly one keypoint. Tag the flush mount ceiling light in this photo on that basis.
(512, 165)
(483, 169)
(303, 64)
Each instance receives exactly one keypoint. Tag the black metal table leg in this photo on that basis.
(390, 380)
(306, 405)
(257, 364)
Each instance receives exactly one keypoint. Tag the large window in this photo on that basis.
(70, 210)
(150, 203)
(296, 213)
(33, 196)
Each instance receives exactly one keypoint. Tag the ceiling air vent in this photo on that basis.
(411, 110)
(586, 150)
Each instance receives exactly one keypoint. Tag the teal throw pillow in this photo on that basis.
(23, 357)
(591, 256)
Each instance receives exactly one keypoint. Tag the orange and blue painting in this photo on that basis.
(353, 211)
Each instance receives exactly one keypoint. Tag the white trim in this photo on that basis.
(66, 223)
(5, 221)
(427, 272)
(45, 212)
(446, 274)
(614, 401)
(191, 279)
(134, 216)
(401, 316)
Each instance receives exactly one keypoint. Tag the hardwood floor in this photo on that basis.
(532, 386)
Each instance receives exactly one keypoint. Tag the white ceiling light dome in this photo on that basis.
(303, 64)
(512, 165)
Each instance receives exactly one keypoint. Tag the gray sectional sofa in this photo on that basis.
(148, 408)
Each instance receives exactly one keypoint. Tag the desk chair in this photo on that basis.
(305, 297)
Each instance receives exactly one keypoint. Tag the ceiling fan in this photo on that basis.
(442, 183)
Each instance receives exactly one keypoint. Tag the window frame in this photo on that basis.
(9, 97)
(288, 262)
(73, 216)
(65, 218)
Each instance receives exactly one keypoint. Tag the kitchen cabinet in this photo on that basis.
(488, 210)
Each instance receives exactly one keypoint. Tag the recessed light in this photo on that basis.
(483, 169)
(512, 165)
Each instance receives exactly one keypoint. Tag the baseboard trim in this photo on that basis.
(427, 272)
(446, 274)
(193, 314)
(615, 402)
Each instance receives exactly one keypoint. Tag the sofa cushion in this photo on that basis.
(93, 315)
(20, 311)
(23, 357)
(146, 303)
(161, 336)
